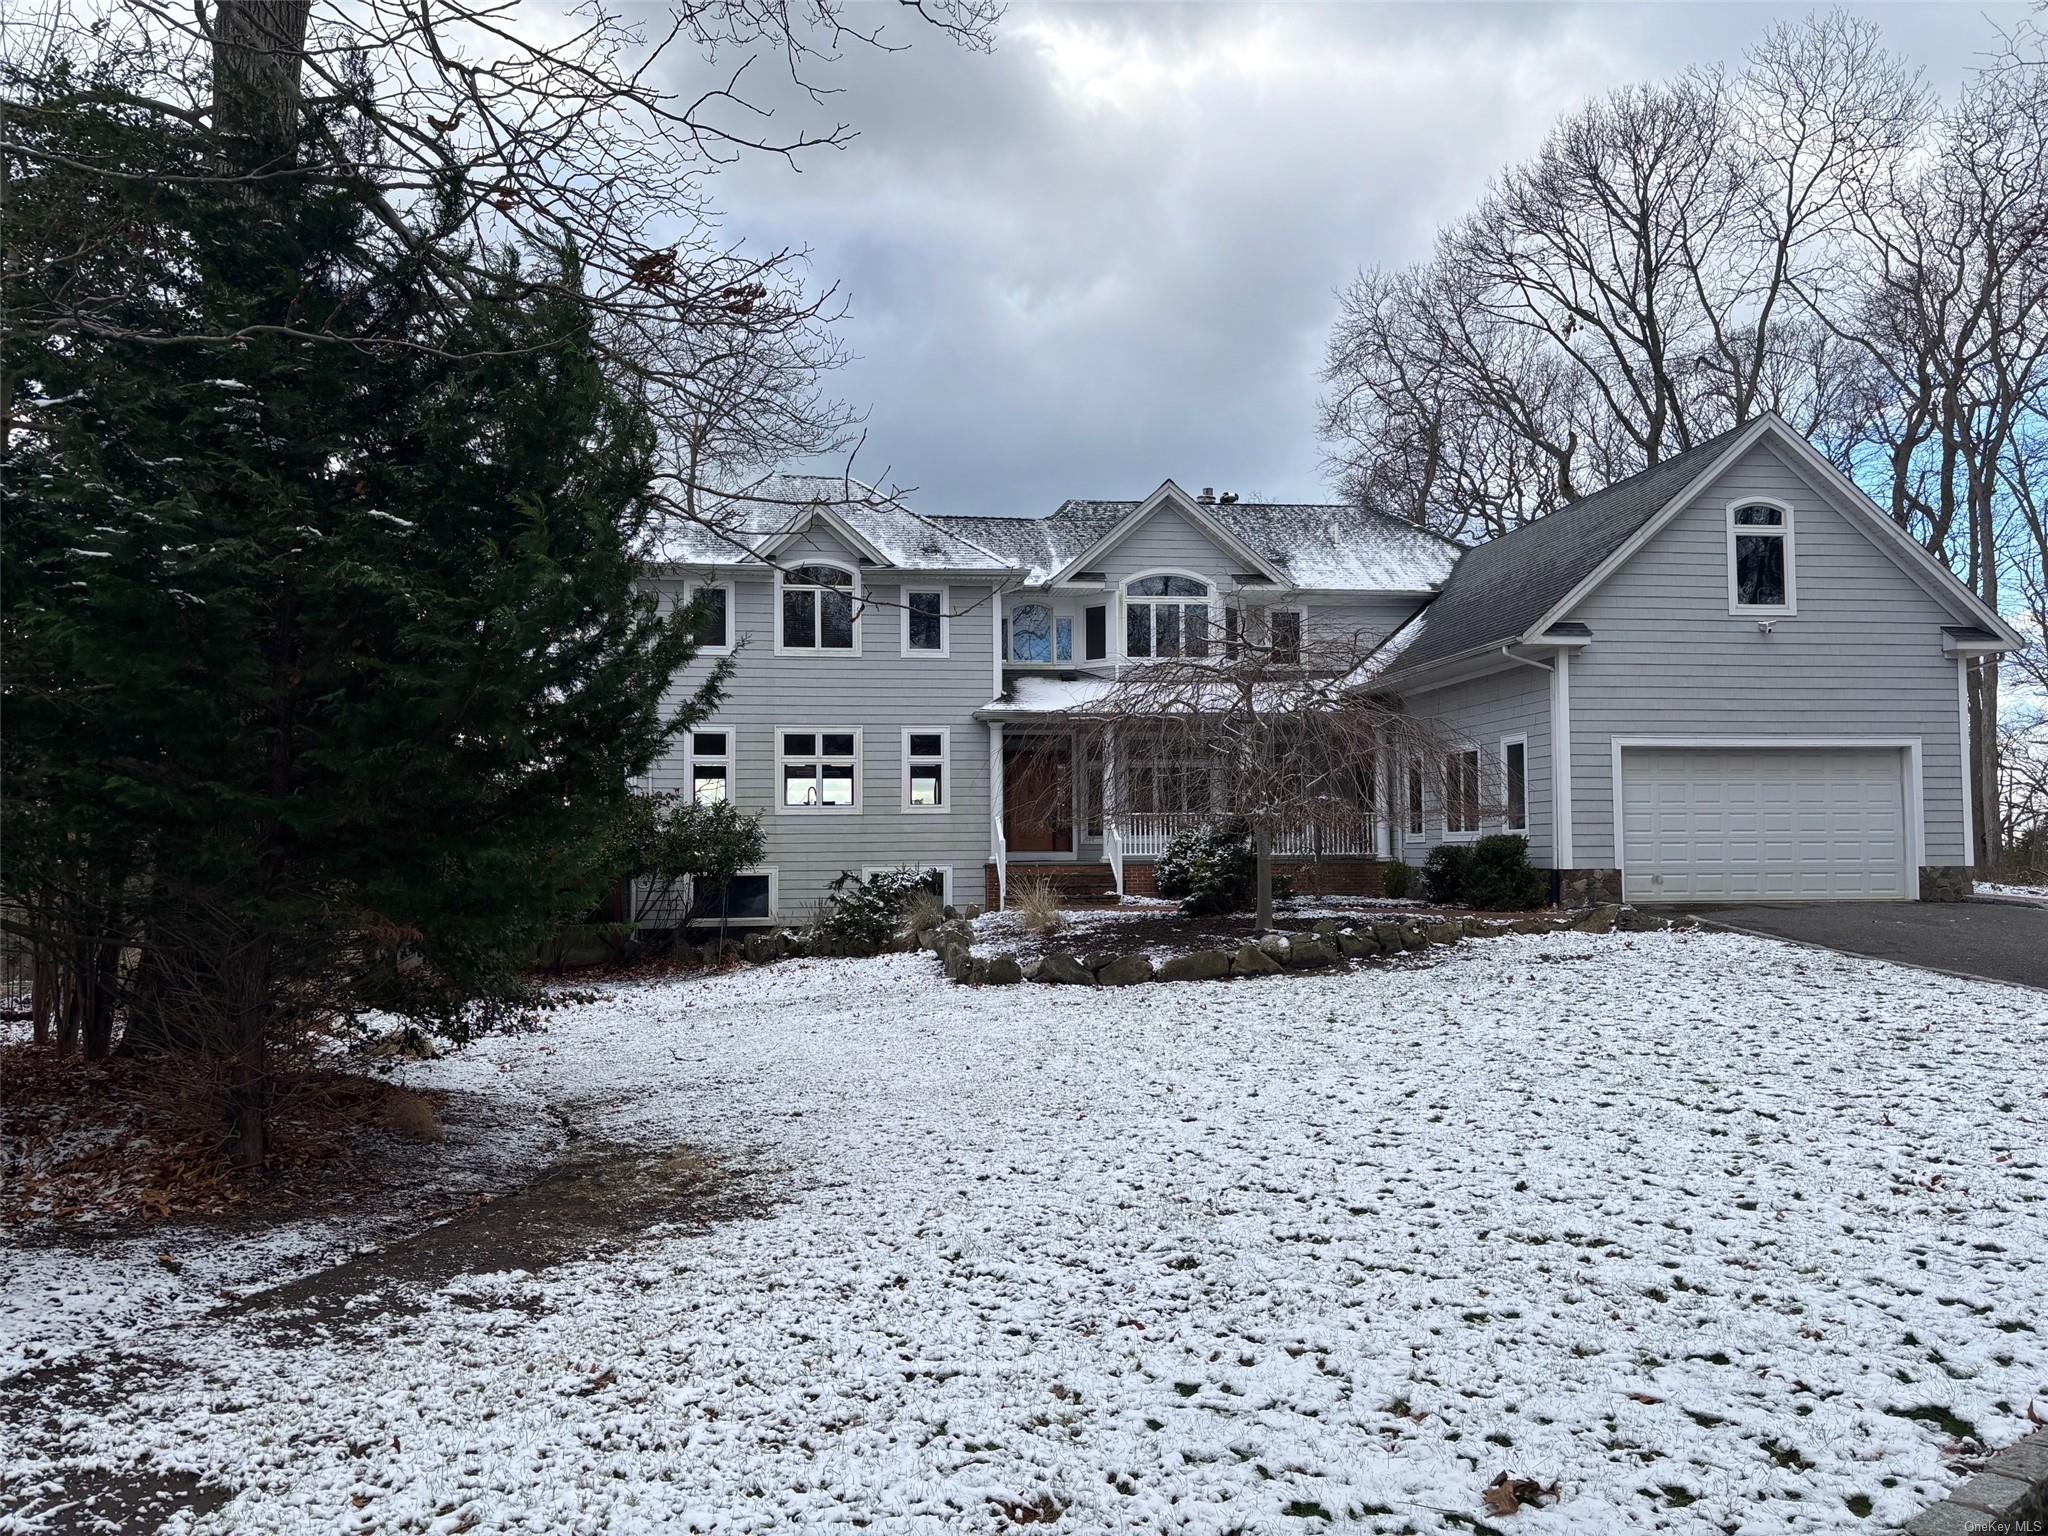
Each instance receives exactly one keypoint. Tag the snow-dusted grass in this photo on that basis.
(1718, 1233)
(1999, 888)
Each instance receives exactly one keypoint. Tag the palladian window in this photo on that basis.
(1166, 616)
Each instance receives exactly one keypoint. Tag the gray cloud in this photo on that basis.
(1106, 253)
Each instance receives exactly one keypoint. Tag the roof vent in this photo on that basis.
(1228, 498)
(1208, 495)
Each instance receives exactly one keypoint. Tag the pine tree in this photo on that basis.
(322, 657)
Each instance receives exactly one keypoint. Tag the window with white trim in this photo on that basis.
(1514, 783)
(752, 897)
(1233, 633)
(939, 876)
(1759, 558)
(1166, 616)
(927, 771)
(1461, 793)
(817, 608)
(1036, 636)
(1416, 827)
(926, 622)
(820, 770)
(708, 767)
(713, 628)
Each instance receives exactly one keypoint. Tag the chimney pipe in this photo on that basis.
(1208, 494)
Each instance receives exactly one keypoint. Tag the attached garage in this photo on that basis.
(1809, 822)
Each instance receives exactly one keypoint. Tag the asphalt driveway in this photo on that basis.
(1976, 938)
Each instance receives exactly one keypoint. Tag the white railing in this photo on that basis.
(1146, 834)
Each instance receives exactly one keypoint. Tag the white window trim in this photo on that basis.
(1123, 613)
(1790, 607)
(1478, 756)
(945, 762)
(1507, 825)
(732, 614)
(1414, 806)
(1007, 641)
(782, 760)
(730, 759)
(774, 900)
(945, 623)
(944, 872)
(775, 615)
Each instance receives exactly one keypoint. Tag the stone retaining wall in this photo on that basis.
(2010, 1493)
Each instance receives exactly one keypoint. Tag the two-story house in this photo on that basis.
(1727, 677)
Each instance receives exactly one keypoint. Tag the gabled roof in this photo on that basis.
(1319, 547)
(1502, 587)
(1171, 497)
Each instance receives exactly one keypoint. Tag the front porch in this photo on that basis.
(1094, 820)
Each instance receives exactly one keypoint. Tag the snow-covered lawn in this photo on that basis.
(1714, 1232)
(1997, 888)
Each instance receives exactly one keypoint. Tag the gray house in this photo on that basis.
(1727, 677)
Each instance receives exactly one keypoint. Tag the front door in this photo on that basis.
(1038, 794)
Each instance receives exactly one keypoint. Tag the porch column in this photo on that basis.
(1382, 799)
(999, 851)
(1112, 810)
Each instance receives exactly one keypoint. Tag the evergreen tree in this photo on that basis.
(321, 657)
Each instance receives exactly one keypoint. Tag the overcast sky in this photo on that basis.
(1106, 253)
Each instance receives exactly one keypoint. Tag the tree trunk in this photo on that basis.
(1981, 783)
(249, 1067)
(258, 54)
(1262, 840)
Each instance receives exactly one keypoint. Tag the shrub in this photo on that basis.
(1500, 878)
(1038, 905)
(859, 916)
(1400, 880)
(1214, 869)
(923, 911)
(1443, 873)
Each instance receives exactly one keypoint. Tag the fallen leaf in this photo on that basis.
(1645, 1397)
(169, 1263)
(1508, 1493)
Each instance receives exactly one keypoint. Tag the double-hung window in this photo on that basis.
(1759, 558)
(927, 771)
(1166, 616)
(1415, 824)
(713, 627)
(710, 767)
(820, 770)
(1461, 793)
(818, 606)
(925, 622)
(1514, 784)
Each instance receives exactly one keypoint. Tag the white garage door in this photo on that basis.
(1764, 824)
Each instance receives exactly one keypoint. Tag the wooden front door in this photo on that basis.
(1038, 794)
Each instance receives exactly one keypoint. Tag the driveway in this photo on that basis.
(1977, 938)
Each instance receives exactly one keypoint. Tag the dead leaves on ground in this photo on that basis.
(1507, 1493)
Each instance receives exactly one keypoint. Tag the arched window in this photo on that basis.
(1031, 632)
(1166, 616)
(818, 606)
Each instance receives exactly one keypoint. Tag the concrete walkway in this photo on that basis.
(1992, 940)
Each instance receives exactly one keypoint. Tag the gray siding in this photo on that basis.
(882, 692)
(1483, 713)
(1861, 658)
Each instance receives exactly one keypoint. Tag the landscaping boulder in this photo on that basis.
(958, 961)
(1202, 965)
(1412, 936)
(1447, 931)
(952, 931)
(1532, 925)
(1029, 967)
(996, 971)
(1125, 971)
(1276, 944)
(1389, 937)
(1328, 928)
(1308, 951)
(1599, 920)
(1252, 960)
(1357, 944)
(1064, 970)
(1636, 920)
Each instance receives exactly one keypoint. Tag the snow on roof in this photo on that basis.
(1323, 546)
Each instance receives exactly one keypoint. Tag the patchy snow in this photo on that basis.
(1998, 888)
(1712, 1230)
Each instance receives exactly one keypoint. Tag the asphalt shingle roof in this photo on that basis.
(1499, 588)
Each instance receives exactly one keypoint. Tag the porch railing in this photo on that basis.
(1145, 835)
